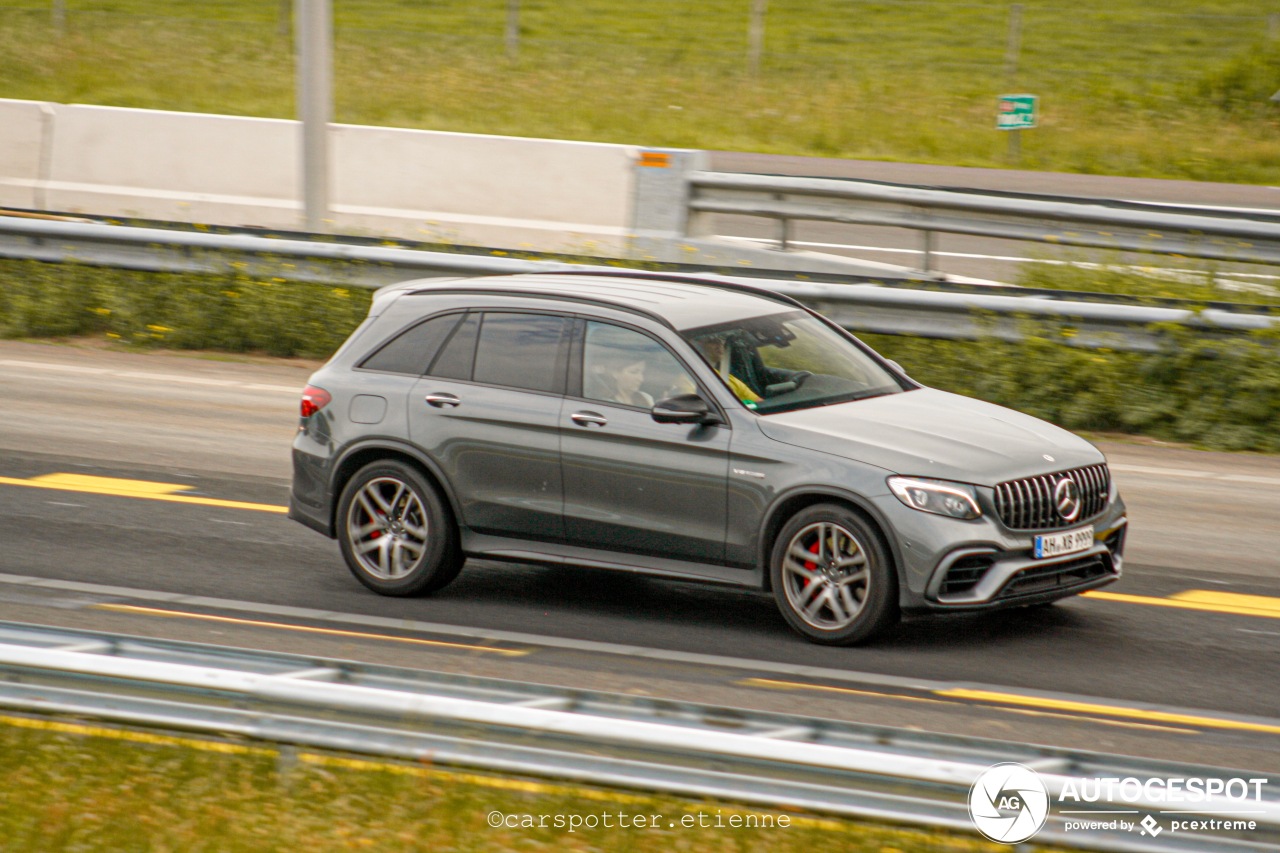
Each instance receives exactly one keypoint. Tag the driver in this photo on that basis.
(713, 349)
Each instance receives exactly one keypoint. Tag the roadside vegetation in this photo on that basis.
(68, 786)
(1213, 393)
(1174, 90)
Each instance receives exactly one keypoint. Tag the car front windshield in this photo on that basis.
(789, 361)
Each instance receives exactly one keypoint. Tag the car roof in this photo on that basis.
(684, 302)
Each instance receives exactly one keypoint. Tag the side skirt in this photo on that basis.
(488, 547)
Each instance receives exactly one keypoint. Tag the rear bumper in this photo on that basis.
(310, 501)
(317, 520)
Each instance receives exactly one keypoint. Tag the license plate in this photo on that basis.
(1057, 544)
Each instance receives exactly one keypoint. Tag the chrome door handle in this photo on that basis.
(586, 419)
(442, 400)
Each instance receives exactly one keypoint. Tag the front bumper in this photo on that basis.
(982, 579)
(954, 566)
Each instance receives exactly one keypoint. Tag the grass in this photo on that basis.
(1126, 88)
(68, 786)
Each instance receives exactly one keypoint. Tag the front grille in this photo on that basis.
(1056, 576)
(1029, 504)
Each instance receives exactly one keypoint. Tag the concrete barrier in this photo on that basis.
(185, 167)
(484, 190)
(507, 192)
(503, 192)
(22, 156)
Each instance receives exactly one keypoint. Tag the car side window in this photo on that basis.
(412, 350)
(522, 351)
(458, 353)
(621, 365)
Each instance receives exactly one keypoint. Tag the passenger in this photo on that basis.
(623, 375)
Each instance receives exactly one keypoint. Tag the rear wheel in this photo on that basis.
(396, 533)
(832, 578)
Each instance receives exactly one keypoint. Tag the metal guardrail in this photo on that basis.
(863, 306)
(1126, 226)
(768, 760)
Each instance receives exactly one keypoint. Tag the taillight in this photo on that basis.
(313, 400)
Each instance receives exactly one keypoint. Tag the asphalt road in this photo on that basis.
(1179, 660)
(963, 257)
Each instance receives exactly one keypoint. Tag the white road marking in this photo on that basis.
(287, 389)
(174, 377)
(1192, 473)
(1187, 274)
(168, 378)
(63, 368)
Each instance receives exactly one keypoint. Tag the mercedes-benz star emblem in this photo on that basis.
(1066, 495)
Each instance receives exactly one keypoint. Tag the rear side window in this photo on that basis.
(412, 350)
(457, 355)
(522, 351)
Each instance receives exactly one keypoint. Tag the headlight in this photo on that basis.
(940, 497)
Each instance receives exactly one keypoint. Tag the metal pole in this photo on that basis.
(1015, 145)
(60, 16)
(1014, 48)
(755, 35)
(315, 106)
(1273, 26)
(513, 28)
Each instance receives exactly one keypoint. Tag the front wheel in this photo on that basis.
(396, 533)
(832, 577)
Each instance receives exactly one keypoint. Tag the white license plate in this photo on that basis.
(1057, 544)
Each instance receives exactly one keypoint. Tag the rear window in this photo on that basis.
(411, 351)
(458, 354)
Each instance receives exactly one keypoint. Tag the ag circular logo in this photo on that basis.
(1008, 803)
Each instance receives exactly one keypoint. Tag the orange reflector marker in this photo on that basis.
(655, 159)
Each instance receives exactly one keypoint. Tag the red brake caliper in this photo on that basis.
(813, 549)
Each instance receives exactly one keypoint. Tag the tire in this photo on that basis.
(848, 592)
(396, 533)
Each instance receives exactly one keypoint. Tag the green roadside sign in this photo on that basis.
(1016, 112)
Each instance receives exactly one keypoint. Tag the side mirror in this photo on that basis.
(896, 366)
(684, 409)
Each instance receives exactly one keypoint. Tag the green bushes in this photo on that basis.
(1216, 393)
(231, 312)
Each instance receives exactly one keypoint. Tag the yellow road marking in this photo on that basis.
(334, 632)
(91, 483)
(1211, 602)
(798, 685)
(1233, 600)
(143, 489)
(774, 684)
(1110, 710)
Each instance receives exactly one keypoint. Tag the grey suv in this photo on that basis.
(689, 428)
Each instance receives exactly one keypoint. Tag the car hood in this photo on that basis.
(930, 433)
